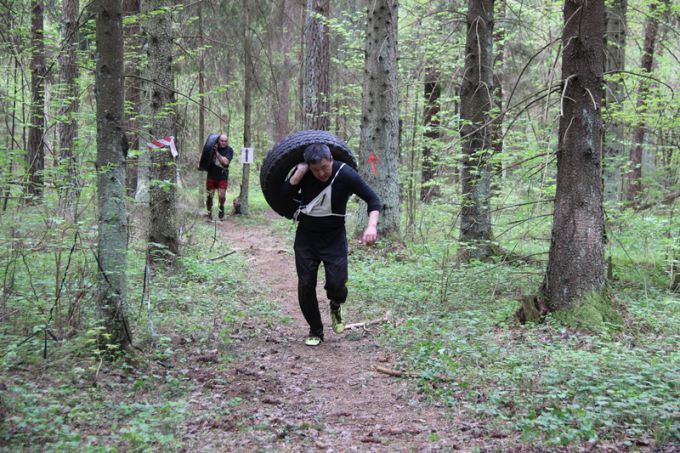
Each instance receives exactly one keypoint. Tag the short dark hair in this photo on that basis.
(316, 152)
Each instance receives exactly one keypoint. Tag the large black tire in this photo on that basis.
(207, 154)
(284, 156)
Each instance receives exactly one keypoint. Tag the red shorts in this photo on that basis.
(211, 184)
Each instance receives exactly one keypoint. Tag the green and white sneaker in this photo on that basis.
(336, 320)
(313, 340)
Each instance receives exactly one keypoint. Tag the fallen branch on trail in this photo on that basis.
(408, 374)
(367, 324)
(223, 256)
(394, 373)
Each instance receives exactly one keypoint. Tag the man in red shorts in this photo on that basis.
(218, 174)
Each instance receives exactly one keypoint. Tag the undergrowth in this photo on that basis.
(573, 379)
(63, 396)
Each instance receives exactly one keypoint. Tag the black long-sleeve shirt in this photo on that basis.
(346, 184)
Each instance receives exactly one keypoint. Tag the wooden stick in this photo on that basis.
(390, 371)
(407, 374)
(366, 324)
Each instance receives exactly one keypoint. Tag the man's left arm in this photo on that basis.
(366, 193)
(371, 232)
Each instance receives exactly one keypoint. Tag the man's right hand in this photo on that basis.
(300, 172)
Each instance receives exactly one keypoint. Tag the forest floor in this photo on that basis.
(227, 370)
(292, 397)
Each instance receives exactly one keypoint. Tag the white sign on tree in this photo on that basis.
(247, 155)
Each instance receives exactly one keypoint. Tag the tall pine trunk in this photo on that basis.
(36, 130)
(282, 30)
(379, 136)
(163, 240)
(615, 59)
(639, 132)
(112, 149)
(476, 96)
(317, 66)
(67, 128)
(576, 257)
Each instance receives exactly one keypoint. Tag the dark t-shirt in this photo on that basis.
(347, 183)
(217, 172)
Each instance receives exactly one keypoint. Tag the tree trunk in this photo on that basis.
(498, 97)
(317, 66)
(112, 149)
(380, 113)
(477, 137)
(635, 175)
(429, 187)
(201, 100)
(282, 33)
(36, 130)
(247, 106)
(615, 59)
(67, 128)
(576, 257)
(133, 43)
(163, 241)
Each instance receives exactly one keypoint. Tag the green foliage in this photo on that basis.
(75, 400)
(606, 370)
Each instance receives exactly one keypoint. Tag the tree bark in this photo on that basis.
(112, 149)
(36, 130)
(639, 132)
(615, 59)
(282, 30)
(498, 97)
(133, 43)
(379, 137)
(67, 128)
(477, 136)
(429, 187)
(576, 259)
(201, 76)
(163, 241)
(247, 106)
(317, 66)
(201, 100)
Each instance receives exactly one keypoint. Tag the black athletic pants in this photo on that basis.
(311, 249)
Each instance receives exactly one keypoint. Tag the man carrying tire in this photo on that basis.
(218, 175)
(325, 186)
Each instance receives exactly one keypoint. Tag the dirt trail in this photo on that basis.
(286, 396)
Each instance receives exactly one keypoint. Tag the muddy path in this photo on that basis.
(281, 395)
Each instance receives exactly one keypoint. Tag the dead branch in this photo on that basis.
(367, 324)
(389, 371)
(408, 374)
(223, 256)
